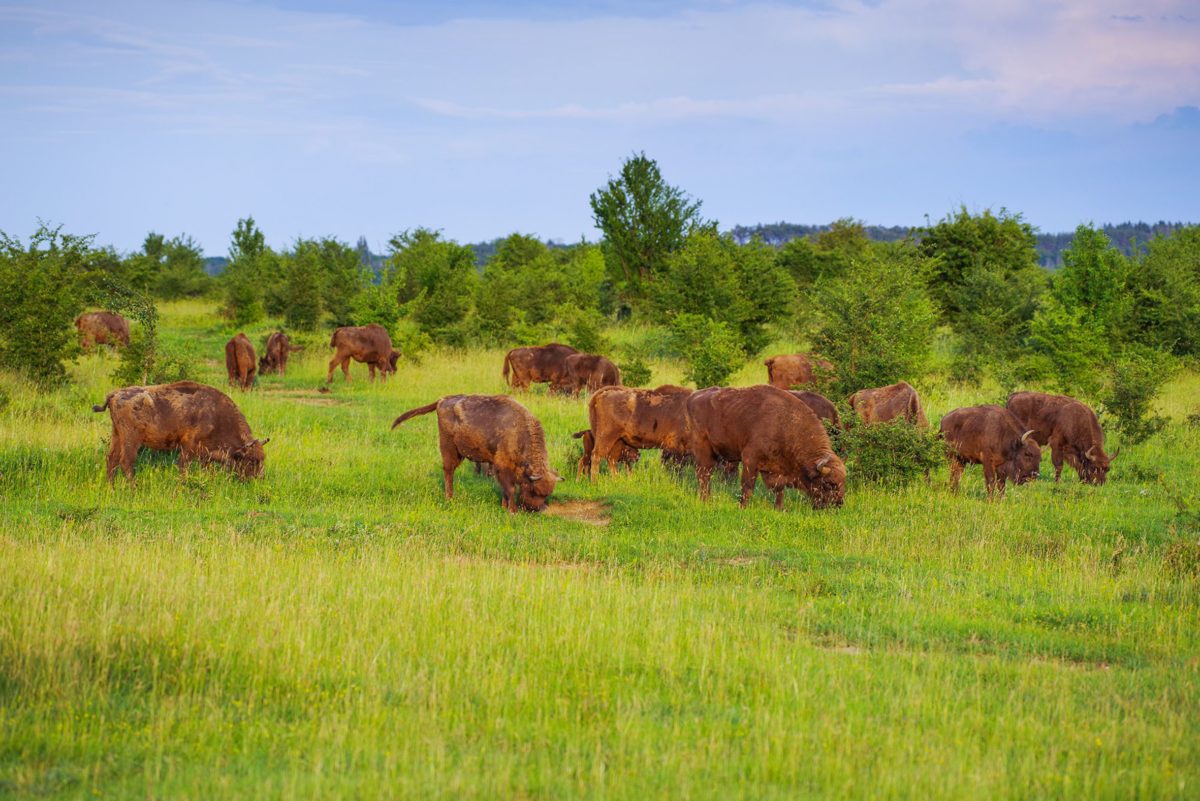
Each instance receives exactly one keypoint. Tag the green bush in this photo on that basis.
(1137, 377)
(895, 453)
(145, 362)
(635, 372)
(713, 352)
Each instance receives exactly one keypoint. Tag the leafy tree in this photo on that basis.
(710, 348)
(877, 322)
(343, 277)
(434, 281)
(1165, 293)
(644, 220)
(245, 277)
(1137, 378)
(181, 273)
(42, 288)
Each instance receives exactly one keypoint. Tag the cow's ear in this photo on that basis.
(264, 441)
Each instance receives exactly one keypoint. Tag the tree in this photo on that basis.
(644, 220)
(710, 348)
(182, 273)
(245, 276)
(1164, 289)
(434, 281)
(825, 255)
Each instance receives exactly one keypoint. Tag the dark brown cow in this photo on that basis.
(993, 437)
(369, 344)
(822, 406)
(883, 404)
(771, 432)
(199, 421)
(793, 370)
(275, 359)
(638, 418)
(539, 364)
(627, 458)
(498, 431)
(586, 371)
(1070, 428)
(102, 328)
(240, 362)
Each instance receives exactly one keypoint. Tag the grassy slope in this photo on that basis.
(339, 629)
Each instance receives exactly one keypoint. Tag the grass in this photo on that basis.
(339, 629)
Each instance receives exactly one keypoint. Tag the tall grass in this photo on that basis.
(339, 629)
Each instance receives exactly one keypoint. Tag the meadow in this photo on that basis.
(338, 628)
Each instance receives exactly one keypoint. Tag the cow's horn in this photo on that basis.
(1088, 453)
(264, 441)
(538, 477)
(821, 465)
(1116, 453)
(1026, 435)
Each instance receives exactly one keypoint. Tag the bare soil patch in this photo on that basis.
(594, 513)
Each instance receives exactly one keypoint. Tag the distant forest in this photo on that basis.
(1126, 236)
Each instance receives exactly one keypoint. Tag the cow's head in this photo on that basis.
(247, 460)
(826, 482)
(393, 358)
(536, 488)
(1094, 464)
(1025, 459)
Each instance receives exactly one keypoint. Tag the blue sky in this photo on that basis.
(484, 118)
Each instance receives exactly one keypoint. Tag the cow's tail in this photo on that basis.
(504, 371)
(415, 413)
(334, 337)
(99, 407)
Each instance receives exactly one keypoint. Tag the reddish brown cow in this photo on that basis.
(822, 407)
(278, 348)
(369, 344)
(883, 404)
(240, 362)
(993, 437)
(199, 421)
(540, 364)
(1071, 429)
(627, 458)
(771, 432)
(586, 371)
(102, 328)
(498, 431)
(793, 370)
(637, 418)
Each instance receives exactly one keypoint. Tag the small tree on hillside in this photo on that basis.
(434, 281)
(245, 276)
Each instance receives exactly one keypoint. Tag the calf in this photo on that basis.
(199, 421)
(277, 350)
(493, 430)
(586, 371)
(638, 418)
(771, 432)
(369, 344)
(539, 364)
(102, 328)
(883, 404)
(240, 362)
(993, 437)
(1070, 428)
(793, 370)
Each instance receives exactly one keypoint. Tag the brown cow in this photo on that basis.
(627, 458)
(1070, 428)
(240, 362)
(102, 328)
(275, 359)
(364, 343)
(882, 404)
(991, 436)
(539, 364)
(771, 432)
(199, 421)
(793, 370)
(822, 406)
(638, 418)
(586, 371)
(498, 431)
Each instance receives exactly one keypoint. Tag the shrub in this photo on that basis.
(583, 331)
(145, 362)
(635, 372)
(711, 349)
(1137, 378)
(894, 453)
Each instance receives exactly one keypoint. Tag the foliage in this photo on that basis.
(711, 349)
(246, 276)
(738, 285)
(145, 362)
(825, 254)
(168, 268)
(376, 304)
(644, 220)
(1165, 290)
(434, 282)
(635, 372)
(895, 453)
(877, 322)
(1137, 377)
(42, 289)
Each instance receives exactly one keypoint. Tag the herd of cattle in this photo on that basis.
(773, 431)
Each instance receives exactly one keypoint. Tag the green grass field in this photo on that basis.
(339, 629)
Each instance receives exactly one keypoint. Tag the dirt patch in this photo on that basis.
(738, 561)
(594, 513)
(308, 397)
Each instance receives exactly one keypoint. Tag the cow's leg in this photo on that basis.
(332, 366)
(749, 478)
(451, 459)
(706, 460)
(990, 478)
(1056, 457)
(956, 470)
(779, 499)
(114, 456)
(129, 451)
(508, 487)
(603, 444)
(185, 459)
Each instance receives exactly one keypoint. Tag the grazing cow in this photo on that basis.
(586, 371)
(991, 436)
(494, 430)
(883, 404)
(540, 364)
(793, 370)
(627, 458)
(1070, 428)
(822, 406)
(771, 432)
(369, 344)
(638, 418)
(240, 362)
(275, 359)
(199, 421)
(102, 328)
